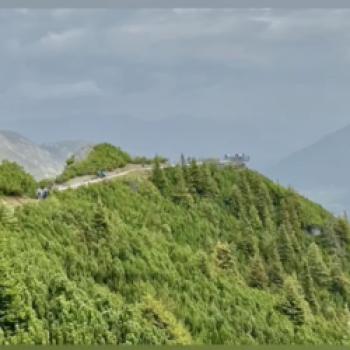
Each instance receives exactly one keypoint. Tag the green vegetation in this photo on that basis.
(149, 161)
(14, 181)
(102, 157)
(196, 255)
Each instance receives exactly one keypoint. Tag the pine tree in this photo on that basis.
(183, 160)
(180, 191)
(236, 203)
(100, 222)
(193, 177)
(342, 230)
(285, 249)
(159, 178)
(275, 268)
(248, 245)
(309, 288)
(293, 304)
(318, 269)
(329, 240)
(258, 277)
(12, 312)
(263, 204)
(254, 218)
(206, 184)
(340, 283)
(284, 217)
(223, 256)
(245, 189)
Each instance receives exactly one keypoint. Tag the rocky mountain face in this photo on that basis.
(42, 161)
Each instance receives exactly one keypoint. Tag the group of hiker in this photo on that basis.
(42, 193)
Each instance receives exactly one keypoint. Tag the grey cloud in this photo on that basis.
(284, 72)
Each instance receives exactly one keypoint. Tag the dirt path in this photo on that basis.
(88, 180)
(81, 181)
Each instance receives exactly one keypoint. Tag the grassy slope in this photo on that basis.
(101, 157)
(120, 263)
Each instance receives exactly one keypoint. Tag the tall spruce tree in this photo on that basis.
(318, 268)
(237, 203)
(340, 282)
(206, 185)
(159, 178)
(285, 249)
(180, 191)
(275, 268)
(293, 304)
(257, 276)
(309, 288)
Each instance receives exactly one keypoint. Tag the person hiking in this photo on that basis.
(39, 193)
(45, 193)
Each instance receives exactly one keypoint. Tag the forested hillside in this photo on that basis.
(194, 255)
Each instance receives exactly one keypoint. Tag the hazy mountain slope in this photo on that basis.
(36, 160)
(63, 150)
(42, 161)
(325, 163)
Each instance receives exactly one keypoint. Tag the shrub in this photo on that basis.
(14, 181)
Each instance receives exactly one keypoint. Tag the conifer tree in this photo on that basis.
(100, 222)
(318, 269)
(258, 277)
(223, 256)
(180, 191)
(248, 245)
(159, 178)
(12, 312)
(285, 249)
(340, 283)
(236, 203)
(254, 218)
(309, 288)
(193, 177)
(245, 189)
(183, 160)
(284, 216)
(293, 304)
(329, 240)
(342, 230)
(263, 204)
(206, 184)
(275, 268)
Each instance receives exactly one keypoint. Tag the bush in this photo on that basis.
(14, 181)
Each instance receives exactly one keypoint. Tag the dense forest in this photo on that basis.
(197, 254)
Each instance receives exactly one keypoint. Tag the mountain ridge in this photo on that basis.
(42, 161)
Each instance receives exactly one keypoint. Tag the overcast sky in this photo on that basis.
(284, 74)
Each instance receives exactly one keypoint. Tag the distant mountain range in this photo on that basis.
(321, 170)
(42, 161)
(198, 137)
